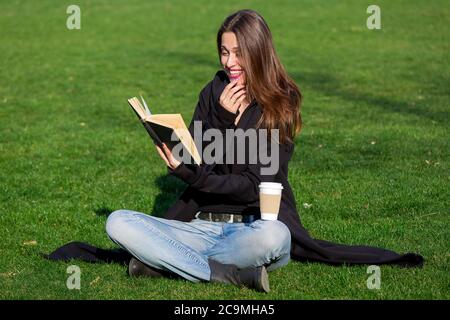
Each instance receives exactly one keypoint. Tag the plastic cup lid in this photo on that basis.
(271, 185)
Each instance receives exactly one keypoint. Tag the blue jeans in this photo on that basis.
(184, 247)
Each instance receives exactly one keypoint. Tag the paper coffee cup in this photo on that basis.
(270, 199)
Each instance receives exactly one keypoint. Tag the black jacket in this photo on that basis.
(234, 189)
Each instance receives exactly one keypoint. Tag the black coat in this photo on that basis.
(234, 189)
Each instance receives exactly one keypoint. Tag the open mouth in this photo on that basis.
(235, 74)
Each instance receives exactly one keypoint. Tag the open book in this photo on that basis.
(160, 127)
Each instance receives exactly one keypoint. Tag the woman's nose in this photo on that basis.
(232, 61)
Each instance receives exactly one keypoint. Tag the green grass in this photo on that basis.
(373, 157)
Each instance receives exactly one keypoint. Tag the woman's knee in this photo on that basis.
(115, 223)
(274, 236)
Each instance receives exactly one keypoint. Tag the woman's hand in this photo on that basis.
(168, 158)
(232, 96)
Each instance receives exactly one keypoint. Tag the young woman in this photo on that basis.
(214, 231)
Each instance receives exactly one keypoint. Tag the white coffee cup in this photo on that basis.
(270, 199)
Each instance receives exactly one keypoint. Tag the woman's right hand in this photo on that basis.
(232, 96)
(168, 157)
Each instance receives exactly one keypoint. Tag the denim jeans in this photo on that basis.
(184, 247)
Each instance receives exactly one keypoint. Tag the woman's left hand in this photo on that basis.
(168, 158)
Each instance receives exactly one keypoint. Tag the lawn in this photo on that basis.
(372, 159)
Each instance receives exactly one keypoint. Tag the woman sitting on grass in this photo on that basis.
(214, 231)
(260, 95)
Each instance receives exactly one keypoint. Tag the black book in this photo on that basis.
(161, 128)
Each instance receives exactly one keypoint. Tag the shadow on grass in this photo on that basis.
(329, 85)
(103, 211)
(170, 189)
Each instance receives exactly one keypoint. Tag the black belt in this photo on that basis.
(226, 217)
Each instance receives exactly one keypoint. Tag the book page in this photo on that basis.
(188, 143)
(146, 109)
(136, 105)
(176, 122)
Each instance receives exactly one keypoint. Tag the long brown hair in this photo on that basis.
(266, 78)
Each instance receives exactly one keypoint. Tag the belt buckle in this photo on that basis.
(222, 217)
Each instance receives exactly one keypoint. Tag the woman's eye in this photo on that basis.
(224, 53)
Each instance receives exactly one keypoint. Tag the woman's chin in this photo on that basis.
(239, 80)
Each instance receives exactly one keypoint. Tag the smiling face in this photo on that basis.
(229, 57)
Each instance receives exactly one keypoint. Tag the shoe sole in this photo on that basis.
(265, 280)
(132, 268)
